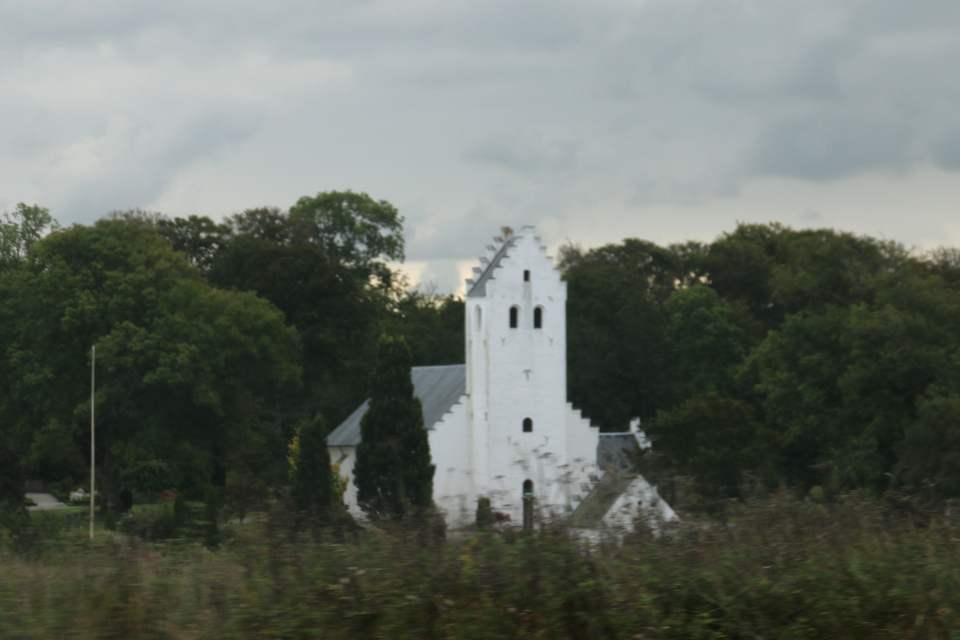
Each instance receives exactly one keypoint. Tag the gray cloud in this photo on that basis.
(524, 152)
(828, 146)
(471, 115)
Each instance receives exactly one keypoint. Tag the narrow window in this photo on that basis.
(514, 313)
(527, 425)
(538, 318)
(526, 275)
(479, 317)
(528, 505)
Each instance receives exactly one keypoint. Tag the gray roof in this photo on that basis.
(479, 287)
(617, 451)
(439, 388)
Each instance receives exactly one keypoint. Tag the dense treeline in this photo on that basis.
(772, 356)
(811, 359)
(215, 342)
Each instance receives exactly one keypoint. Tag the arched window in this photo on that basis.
(538, 318)
(528, 505)
(479, 317)
(514, 315)
(527, 425)
(526, 275)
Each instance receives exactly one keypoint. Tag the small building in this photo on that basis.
(500, 426)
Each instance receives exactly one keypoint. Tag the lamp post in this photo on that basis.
(93, 369)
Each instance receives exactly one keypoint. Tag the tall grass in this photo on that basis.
(777, 569)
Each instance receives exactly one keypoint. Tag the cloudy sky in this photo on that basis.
(662, 119)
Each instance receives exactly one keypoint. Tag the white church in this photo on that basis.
(500, 426)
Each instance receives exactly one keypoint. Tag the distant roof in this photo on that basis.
(617, 451)
(479, 287)
(439, 388)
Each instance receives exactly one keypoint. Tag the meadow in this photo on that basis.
(776, 568)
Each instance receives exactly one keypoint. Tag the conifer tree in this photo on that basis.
(313, 477)
(394, 472)
(13, 515)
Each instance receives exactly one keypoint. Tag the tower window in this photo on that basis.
(538, 318)
(528, 505)
(514, 315)
(479, 317)
(526, 275)
(527, 425)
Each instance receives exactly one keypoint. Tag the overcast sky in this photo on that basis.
(666, 120)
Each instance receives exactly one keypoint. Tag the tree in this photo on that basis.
(14, 519)
(714, 440)
(313, 490)
(361, 233)
(431, 324)
(617, 355)
(706, 344)
(183, 369)
(394, 472)
(198, 237)
(335, 317)
(21, 230)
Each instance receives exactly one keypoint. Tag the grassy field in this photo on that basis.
(783, 570)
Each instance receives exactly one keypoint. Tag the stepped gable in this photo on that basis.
(438, 388)
(477, 286)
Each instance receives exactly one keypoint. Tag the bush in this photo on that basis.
(110, 520)
(484, 514)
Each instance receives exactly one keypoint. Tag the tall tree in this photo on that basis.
(21, 230)
(183, 369)
(705, 343)
(13, 513)
(394, 472)
(273, 255)
(362, 233)
(312, 490)
(714, 440)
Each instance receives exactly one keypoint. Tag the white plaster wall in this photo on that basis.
(347, 456)
(640, 501)
(454, 486)
(520, 373)
(582, 441)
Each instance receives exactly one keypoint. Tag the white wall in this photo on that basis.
(518, 373)
(347, 456)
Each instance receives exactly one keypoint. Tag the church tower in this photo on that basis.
(516, 370)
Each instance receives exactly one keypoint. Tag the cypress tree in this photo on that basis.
(312, 489)
(13, 514)
(394, 472)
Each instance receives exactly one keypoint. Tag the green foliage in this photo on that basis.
(432, 325)
(312, 488)
(12, 478)
(199, 238)
(706, 344)
(273, 256)
(13, 513)
(179, 511)
(356, 230)
(21, 230)
(394, 472)
(179, 363)
(614, 322)
(110, 520)
(785, 570)
(211, 516)
(484, 514)
(715, 440)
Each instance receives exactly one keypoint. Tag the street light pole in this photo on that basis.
(93, 369)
